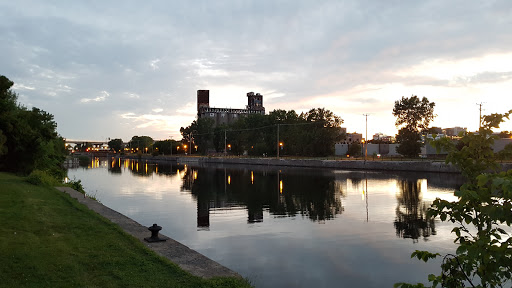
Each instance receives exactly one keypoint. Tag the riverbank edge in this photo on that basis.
(410, 166)
(187, 259)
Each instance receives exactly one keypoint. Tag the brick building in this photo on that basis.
(227, 115)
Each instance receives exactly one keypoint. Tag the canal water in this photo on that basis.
(286, 227)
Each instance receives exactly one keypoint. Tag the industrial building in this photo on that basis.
(227, 115)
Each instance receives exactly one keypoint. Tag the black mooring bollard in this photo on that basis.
(154, 234)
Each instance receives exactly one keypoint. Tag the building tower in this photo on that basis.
(203, 99)
(255, 102)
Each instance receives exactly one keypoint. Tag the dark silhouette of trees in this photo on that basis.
(28, 138)
(141, 143)
(412, 220)
(116, 144)
(414, 116)
(313, 133)
(481, 214)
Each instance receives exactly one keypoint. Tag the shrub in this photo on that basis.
(76, 185)
(38, 177)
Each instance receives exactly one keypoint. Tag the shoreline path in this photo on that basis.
(186, 258)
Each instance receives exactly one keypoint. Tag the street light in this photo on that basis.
(366, 138)
(171, 143)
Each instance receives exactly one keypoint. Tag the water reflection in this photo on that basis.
(411, 212)
(315, 196)
(271, 216)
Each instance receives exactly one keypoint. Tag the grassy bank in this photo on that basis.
(48, 239)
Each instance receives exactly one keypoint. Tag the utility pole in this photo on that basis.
(480, 122)
(366, 139)
(277, 141)
(171, 144)
(190, 142)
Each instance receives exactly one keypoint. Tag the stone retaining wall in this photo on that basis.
(417, 166)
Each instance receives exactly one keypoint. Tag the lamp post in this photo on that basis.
(190, 142)
(278, 141)
(171, 144)
(366, 138)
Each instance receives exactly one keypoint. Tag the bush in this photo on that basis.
(76, 185)
(38, 177)
(354, 150)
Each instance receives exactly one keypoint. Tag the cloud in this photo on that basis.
(103, 96)
(153, 64)
(348, 56)
(19, 86)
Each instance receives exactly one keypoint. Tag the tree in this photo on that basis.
(410, 143)
(354, 149)
(116, 144)
(28, 138)
(505, 134)
(481, 214)
(200, 134)
(322, 132)
(414, 115)
(141, 143)
(3, 148)
(166, 147)
(504, 154)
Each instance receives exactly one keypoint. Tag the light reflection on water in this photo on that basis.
(285, 227)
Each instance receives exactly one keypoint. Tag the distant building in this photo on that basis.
(436, 130)
(383, 138)
(227, 115)
(432, 136)
(352, 138)
(454, 131)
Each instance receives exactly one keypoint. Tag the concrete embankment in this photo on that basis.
(188, 259)
(422, 166)
(412, 166)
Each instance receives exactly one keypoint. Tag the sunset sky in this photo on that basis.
(123, 68)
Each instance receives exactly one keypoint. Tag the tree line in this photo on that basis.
(28, 137)
(312, 133)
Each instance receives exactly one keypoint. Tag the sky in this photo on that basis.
(115, 69)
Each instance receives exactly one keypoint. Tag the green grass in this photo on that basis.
(47, 239)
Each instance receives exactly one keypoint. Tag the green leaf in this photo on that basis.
(461, 249)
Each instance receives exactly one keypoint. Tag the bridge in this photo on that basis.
(96, 145)
(81, 142)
